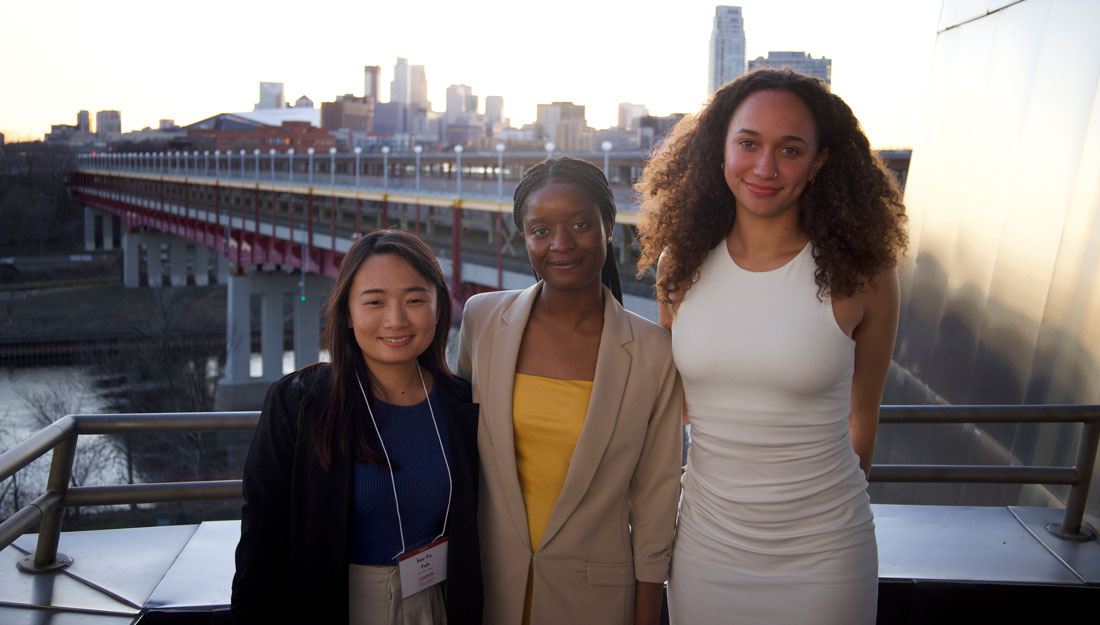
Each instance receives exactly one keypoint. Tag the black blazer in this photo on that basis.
(292, 560)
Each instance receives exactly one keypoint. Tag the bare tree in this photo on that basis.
(95, 460)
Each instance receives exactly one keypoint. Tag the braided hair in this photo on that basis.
(588, 178)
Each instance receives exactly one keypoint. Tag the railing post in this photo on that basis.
(46, 558)
(1078, 493)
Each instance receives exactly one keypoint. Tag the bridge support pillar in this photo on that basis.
(271, 334)
(108, 231)
(239, 390)
(202, 265)
(238, 331)
(89, 228)
(177, 261)
(131, 259)
(153, 269)
(307, 320)
(222, 268)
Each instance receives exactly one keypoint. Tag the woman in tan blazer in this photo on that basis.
(603, 543)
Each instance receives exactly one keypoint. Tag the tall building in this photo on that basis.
(727, 47)
(573, 132)
(108, 123)
(348, 112)
(494, 109)
(399, 86)
(83, 122)
(418, 86)
(271, 96)
(653, 130)
(370, 82)
(800, 62)
(629, 114)
(458, 102)
(390, 118)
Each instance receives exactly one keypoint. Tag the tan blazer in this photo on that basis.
(625, 470)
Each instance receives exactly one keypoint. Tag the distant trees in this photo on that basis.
(35, 208)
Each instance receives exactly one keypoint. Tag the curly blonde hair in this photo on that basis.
(852, 211)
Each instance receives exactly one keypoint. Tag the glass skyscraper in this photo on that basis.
(727, 47)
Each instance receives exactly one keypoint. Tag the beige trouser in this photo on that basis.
(374, 598)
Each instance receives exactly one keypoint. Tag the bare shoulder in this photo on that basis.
(882, 290)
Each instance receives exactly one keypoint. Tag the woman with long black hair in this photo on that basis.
(364, 469)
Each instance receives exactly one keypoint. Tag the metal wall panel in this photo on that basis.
(1000, 292)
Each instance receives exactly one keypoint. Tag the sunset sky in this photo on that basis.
(189, 61)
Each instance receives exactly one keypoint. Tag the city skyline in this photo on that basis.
(596, 57)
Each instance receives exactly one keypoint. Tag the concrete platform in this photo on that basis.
(937, 564)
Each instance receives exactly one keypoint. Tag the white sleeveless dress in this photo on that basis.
(775, 523)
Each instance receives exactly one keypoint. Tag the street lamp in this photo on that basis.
(310, 153)
(271, 153)
(606, 147)
(256, 153)
(385, 168)
(500, 170)
(358, 151)
(290, 162)
(549, 149)
(332, 166)
(217, 153)
(242, 163)
(458, 158)
(206, 162)
(418, 149)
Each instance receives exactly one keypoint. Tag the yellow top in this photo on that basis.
(547, 417)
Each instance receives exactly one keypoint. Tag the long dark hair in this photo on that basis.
(329, 419)
(852, 212)
(589, 178)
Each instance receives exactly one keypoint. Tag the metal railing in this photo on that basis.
(46, 511)
(1076, 477)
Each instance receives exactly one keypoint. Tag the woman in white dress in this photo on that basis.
(776, 233)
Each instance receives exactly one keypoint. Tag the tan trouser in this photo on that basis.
(374, 598)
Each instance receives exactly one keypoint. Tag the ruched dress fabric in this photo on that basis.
(775, 523)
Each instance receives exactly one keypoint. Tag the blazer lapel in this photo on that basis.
(612, 371)
(497, 395)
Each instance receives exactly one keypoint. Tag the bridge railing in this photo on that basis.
(47, 510)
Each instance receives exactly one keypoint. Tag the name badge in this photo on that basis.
(423, 568)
